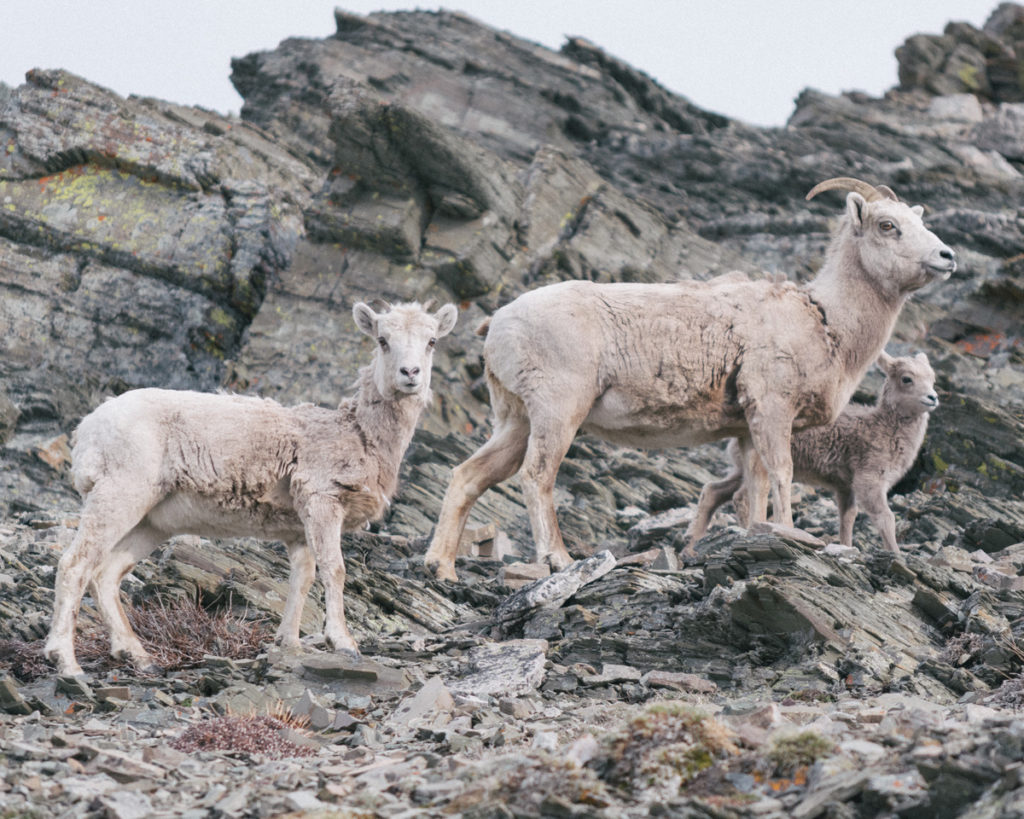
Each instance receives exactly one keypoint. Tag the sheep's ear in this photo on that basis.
(885, 362)
(366, 319)
(856, 206)
(922, 358)
(446, 318)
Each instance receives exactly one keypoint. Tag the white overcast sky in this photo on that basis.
(747, 59)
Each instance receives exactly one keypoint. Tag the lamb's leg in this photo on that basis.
(138, 544)
(302, 569)
(713, 495)
(771, 430)
(496, 461)
(847, 515)
(109, 513)
(872, 500)
(322, 517)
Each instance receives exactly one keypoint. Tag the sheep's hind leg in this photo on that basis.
(322, 518)
(108, 515)
(549, 441)
(302, 568)
(496, 461)
(106, 584)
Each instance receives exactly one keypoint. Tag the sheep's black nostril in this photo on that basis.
(409, 372)
(947, 254)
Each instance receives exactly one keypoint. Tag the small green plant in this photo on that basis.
(666, 745)
(788, 753)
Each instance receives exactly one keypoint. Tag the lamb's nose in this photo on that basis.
(409, 372)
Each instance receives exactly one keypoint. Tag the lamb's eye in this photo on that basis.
(907, 379)
(432, 342)
(383, 342)
(886, 226)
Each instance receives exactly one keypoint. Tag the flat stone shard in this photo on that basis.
(551, 592)
(431, 699)
(506, 669)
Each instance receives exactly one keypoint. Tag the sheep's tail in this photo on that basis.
(485, 325)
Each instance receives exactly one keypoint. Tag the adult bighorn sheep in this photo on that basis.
(657, 365)
(859, 457)
(153, 463)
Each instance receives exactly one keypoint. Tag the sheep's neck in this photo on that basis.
(859, 332)
(386, 425)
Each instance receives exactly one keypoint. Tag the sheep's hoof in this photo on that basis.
(350, 653)
(558, 562)
(441, 571)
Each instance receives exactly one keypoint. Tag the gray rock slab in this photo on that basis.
(553, 591)
(504, 669)
(434, 697)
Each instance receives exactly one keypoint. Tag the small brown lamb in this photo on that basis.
(859, 457)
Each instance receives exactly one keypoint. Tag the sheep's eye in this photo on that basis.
(432, 342)
(907, 379)
(886, 226)
(383, 342)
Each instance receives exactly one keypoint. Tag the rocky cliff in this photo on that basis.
(423, 154)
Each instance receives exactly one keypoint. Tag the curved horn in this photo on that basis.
(848, 183)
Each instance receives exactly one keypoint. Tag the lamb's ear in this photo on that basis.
(922, 358)
(366, 319)
(918, 209)
(446, 318)
(885, 362)
(856, 205)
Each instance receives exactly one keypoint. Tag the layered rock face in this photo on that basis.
(417, 155)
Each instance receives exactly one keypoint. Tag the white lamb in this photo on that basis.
(859, 457)
(658, 365)
(153, 463)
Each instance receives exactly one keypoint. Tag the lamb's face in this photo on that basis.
(405, 337)
(895, 246)
(909, 384)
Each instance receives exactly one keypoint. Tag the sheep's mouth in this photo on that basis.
(930, 403)
(410, 387)
(941, 271)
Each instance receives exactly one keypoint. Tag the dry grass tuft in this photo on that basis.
(178, 634)
(251, 734)
(24, 660)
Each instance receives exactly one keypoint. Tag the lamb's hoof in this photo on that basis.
(352, 654)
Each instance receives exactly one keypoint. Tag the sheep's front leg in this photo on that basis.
(302, 568)
(771, 431)
(322, 519)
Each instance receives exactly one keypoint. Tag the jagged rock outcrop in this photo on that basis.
(422, 154)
